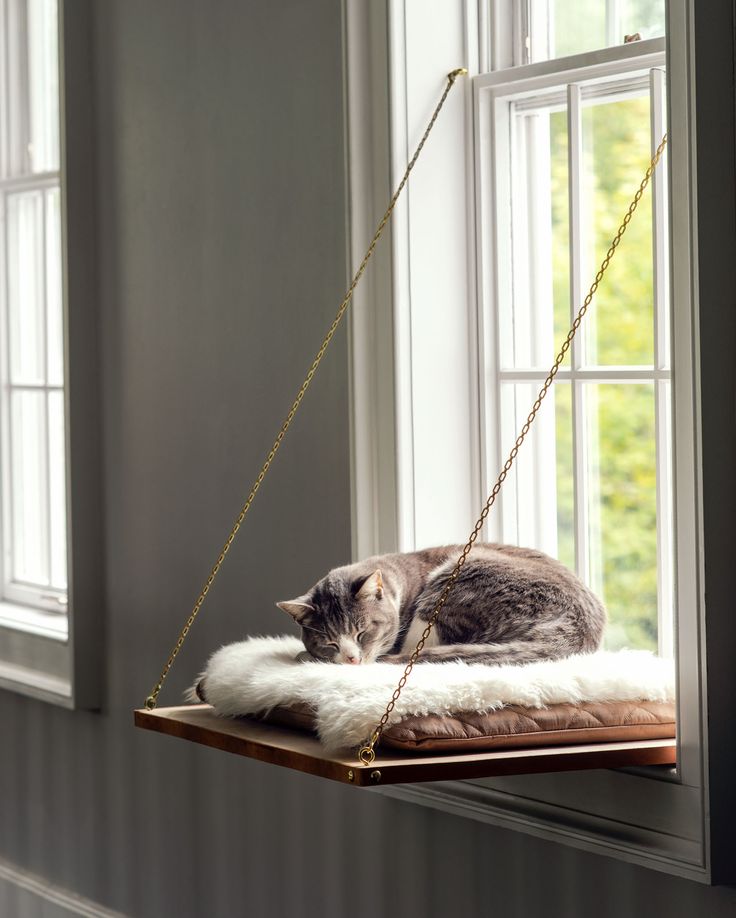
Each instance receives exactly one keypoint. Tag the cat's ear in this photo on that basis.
(296, 608)
(372, 586)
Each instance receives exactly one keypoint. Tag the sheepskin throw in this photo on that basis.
(253, 676)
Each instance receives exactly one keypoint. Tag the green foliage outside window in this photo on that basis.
(620, 417)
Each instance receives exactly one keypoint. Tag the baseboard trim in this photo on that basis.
(63, 898)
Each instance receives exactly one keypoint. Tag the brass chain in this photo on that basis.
(366, 753)
(152, 699)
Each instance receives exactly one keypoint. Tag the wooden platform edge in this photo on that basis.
(303, 752)
(260, 742)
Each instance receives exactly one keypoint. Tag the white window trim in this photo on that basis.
(44, 655)
(657, 818)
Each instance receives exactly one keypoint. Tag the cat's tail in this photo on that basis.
(514, 652)
(195, 693)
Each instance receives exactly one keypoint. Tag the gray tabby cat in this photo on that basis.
(509, 605)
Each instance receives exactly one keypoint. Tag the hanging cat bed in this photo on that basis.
(459, 721)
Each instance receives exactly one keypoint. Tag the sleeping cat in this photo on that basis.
(509, 605)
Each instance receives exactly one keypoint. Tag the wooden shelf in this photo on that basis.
(303, 752)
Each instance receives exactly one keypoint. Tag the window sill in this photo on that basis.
(672, 846)
(35, 684)
(51, 625)
(35, 657)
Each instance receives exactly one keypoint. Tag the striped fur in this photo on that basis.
(509, 605)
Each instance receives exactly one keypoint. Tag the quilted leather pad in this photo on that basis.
(515, 726)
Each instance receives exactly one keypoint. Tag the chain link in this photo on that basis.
(367, 754)
(152, 699)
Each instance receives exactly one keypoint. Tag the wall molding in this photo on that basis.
(43, 889)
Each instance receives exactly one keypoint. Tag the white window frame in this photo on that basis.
(609, 71)
(17, 177)
(413, 436)
(43, 654)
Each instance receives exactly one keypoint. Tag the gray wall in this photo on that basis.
(220, 215)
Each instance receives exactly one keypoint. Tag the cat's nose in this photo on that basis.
(353, 660)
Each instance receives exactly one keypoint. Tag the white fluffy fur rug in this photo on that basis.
(252, 676)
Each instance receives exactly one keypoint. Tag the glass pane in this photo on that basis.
(622, 504)
(578, 25)
(43, 77)
(619, 329)
(564, 478)
(57, 491)
(29, 487)
(26, 287)
(537, 497)
(54, 314)
(560, 211)
(535, 313)
(647, 17)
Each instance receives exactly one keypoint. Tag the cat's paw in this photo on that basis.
(304, 657)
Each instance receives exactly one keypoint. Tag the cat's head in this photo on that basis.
(346, 619)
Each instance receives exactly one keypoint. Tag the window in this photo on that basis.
(51, 538)
(32, 422)
(564, 153)
(442, 363)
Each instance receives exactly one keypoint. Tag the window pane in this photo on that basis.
(565, 474)
(31, 68)
(620, 431)
(535, 306)
(57, 491)
(54, 314)
(29, 487)
(43, 78)
(560, 213)
(26, 287)
(647, 17)
(619, 330)
(579, 25)
(537, 497)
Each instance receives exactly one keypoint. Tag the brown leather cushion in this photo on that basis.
(515, 726)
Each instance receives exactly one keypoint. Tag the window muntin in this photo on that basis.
(32, 416)
(593, 486)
